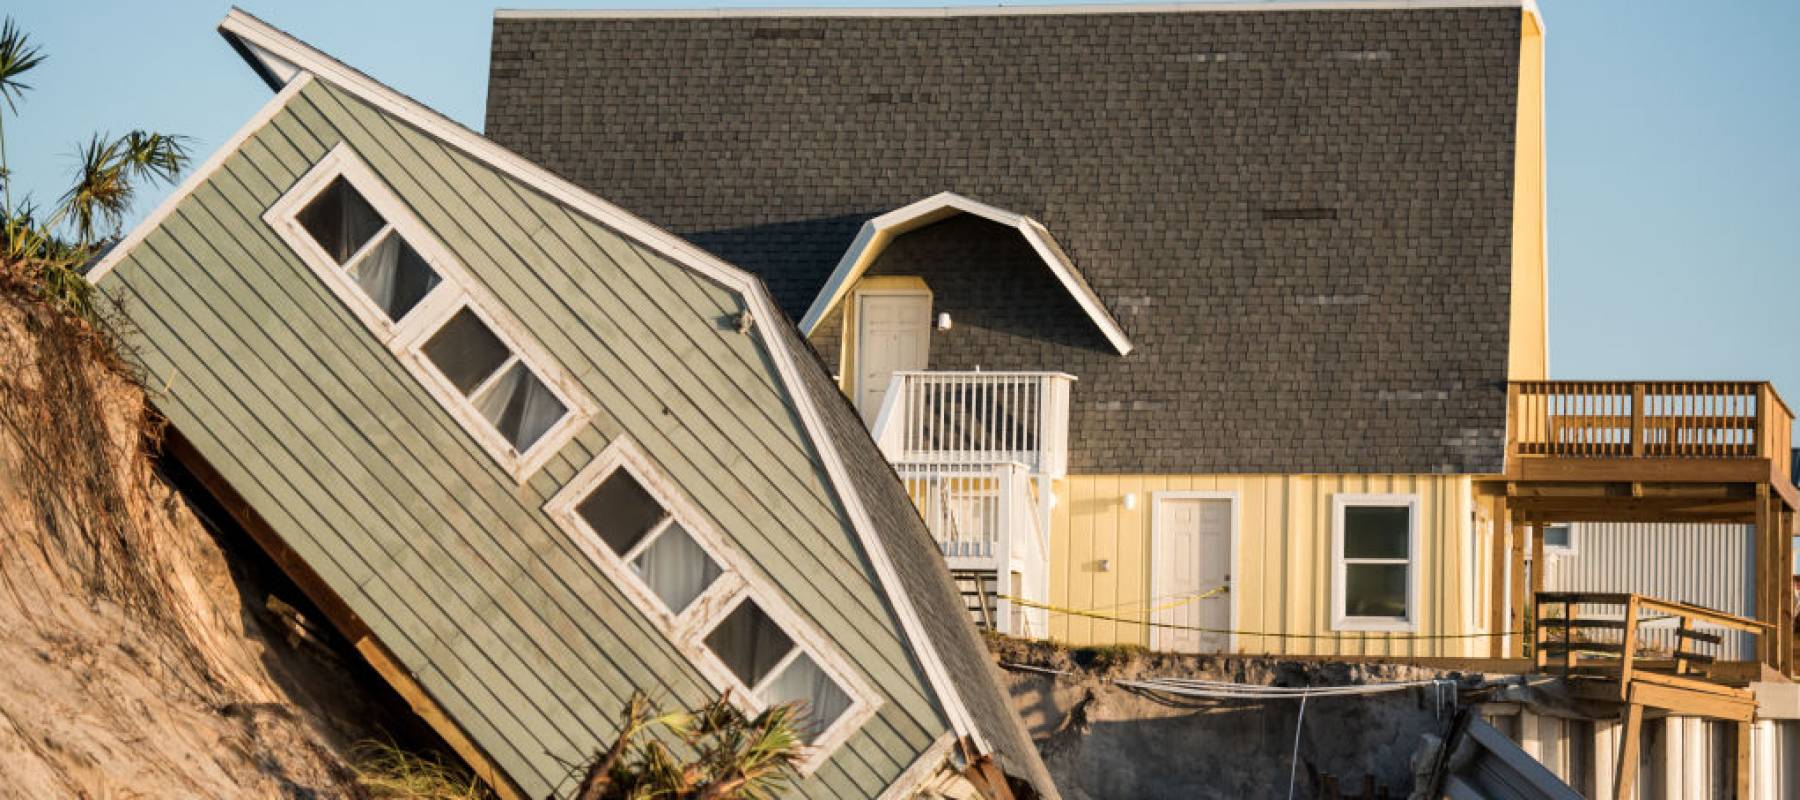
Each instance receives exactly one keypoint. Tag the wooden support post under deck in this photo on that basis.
(1537, 558)
(1498, 613)
(1626, 773)
(1766, 600)
(1516, 590)
(1742, 757)
(1784, 620)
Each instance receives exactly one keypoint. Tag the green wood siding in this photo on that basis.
(452, 563)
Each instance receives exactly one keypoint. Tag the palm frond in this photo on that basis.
(108, 175)
(17, 56)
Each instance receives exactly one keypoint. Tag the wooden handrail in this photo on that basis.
(1658, 419)
(1623, 653)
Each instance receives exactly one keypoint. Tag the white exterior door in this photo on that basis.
(1192, 560)
(893, 335)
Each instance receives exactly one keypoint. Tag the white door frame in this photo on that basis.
(856, 365)
(1231, 581)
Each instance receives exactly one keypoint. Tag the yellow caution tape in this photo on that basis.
(1373, 635)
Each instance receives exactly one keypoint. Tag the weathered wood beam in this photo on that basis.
(1626, 772)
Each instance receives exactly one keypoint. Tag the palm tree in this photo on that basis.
(46, 254)
(735, 756)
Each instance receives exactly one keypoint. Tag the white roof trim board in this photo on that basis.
(1008, 11)
(258, 39)
(877, 233)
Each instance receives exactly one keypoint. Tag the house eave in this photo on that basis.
(877, 233)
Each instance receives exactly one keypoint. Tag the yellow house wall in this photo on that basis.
(1529, 356)
(1283, 574)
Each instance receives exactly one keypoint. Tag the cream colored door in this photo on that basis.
(1192, 586)
(893, 335)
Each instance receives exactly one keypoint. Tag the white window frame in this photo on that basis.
(687, 629)
(1341, 621)
(456, 290)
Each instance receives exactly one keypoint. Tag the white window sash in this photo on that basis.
(1340, 619)
(456, 289)
(737, 583)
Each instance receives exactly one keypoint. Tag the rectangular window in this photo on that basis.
(1375, 545)
(665, 558)
(393, 275)
(1559, 539)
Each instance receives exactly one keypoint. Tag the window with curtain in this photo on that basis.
(666, 559)
(1374, 538)
(413, 296)
(387, 270)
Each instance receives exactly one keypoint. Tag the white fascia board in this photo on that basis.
(199, 176)
(252, 31)
(879, 231)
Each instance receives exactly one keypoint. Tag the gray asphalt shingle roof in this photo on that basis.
(1302, 218)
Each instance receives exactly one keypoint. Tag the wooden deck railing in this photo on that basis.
(1649, 419)
(1596, 633)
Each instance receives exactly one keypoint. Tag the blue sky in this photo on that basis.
(1674, 185)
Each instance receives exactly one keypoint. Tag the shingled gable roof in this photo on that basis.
(877, 233)
(900, 551)
(1299, 213)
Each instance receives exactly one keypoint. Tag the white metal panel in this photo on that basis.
(1705, 565)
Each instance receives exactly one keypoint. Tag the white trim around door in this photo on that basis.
(1231, 577)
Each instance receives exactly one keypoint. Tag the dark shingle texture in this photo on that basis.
(923, 577)
(1301, 218)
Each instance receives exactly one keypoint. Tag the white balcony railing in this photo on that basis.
(977, 418)
(990, 518)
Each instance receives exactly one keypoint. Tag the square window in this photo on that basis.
(804, 682)
(520, 406)
(466, 351)
(394, 276)
(620, 511)
(675, 568)
(749, 643)
(340, 220)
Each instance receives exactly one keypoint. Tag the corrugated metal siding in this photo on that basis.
(1706, 565)
(450, 562)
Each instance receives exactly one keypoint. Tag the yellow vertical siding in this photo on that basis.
(1528, 358)
(1282, 581)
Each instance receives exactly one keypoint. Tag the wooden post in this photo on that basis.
(1629, 755)
(1637, 420)
(1628, 647)
(1498, 615)
(1682, 627)
(1766, 599)
(1516, 590)
(1537, 558)
(1786, 618)
(1742, 758)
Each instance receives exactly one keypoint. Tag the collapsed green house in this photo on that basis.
(532, 454)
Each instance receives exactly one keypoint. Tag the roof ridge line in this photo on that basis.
(844, 12)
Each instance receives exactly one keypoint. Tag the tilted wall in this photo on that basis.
(451, 563)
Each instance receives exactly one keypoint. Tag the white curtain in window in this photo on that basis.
(378, 273)
(675, 568)
(803, 681)
(520, 406)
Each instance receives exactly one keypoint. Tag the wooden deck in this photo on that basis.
(1580, 637)
(1649, 451)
